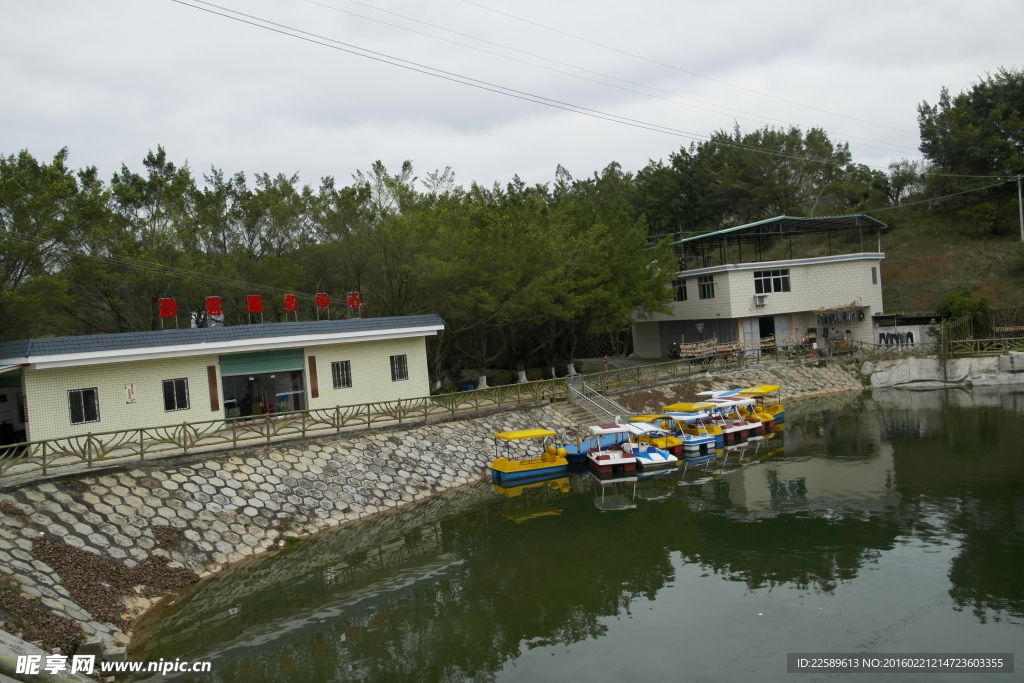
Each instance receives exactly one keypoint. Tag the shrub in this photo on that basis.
(960, 302)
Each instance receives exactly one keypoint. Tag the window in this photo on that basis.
(84, 405)
(874, 275)
(680, 289)
(706, 286)
(399, 368)
(175, 394)
(341, 371)
(767, 281)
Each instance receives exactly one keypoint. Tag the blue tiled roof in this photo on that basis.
(124, 341)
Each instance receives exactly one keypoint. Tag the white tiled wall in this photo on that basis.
(812, 286)
(47, 390)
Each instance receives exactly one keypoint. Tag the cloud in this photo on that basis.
(114, 78)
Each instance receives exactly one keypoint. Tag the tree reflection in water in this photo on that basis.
(456, 590)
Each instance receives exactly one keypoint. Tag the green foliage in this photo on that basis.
(743, 177)
(978, 132)
(518, 273)
(960, 302)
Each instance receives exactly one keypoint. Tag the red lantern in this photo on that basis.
(291, 304)
(353, 300)
(214, 306)
(255, 302)
(323, 301)
(168, 308)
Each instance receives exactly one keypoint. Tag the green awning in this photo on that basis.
(261, 361)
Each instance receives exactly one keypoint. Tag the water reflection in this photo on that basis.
(461, 588)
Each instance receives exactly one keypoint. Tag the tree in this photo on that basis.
(45, 209)
(737, 178)
(978, 132)
(959, 302)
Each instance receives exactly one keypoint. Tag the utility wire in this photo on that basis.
(945, 196)
(331, 43)
(175, 271)
(341, 46)
(676, 68)
(762, 117)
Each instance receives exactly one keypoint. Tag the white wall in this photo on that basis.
(825, 282)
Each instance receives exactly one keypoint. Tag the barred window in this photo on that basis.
(341, 371)
(768, 281)
(84, 405)
(175, 394)
(706, 286)
(679, 287)
(399, 368)
(874, 275)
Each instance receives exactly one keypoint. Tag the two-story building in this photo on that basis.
(717, 294)
(67, 386)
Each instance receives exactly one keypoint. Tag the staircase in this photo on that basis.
(586, 405)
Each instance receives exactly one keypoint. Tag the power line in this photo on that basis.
(764, 118)
(418, 67)
(479, 84)
(945, 196)
(175, 271)
(676, 68)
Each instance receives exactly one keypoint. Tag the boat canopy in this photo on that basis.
(761, 390)
(719, 394)
(611, 429)
(650, 417)
(524, 434)
(689, 417)
(645, 427)
(734, 402)
(687, 407)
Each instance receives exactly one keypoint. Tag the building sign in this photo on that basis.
(214, 306)
(167, 308)
(323, 301)
(291, 304)
(255, 303)
(354, 301)
(130, 395)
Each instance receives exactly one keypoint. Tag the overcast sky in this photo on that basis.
(111, 79)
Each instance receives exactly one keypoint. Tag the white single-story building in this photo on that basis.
(820, 297)
(68, 386)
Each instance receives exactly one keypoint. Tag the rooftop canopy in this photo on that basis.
(763, 234)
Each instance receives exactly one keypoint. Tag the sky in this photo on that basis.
(112, 79)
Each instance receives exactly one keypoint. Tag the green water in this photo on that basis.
(891, 522)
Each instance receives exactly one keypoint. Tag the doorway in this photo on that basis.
(766, 326)
(263, 393)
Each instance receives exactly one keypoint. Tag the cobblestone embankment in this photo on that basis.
(99, 549)
(803, 380)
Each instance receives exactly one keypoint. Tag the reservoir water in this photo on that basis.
(880, 522)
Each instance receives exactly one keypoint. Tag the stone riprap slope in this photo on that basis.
(214, 511)
(796, 380)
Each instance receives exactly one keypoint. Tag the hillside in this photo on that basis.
(926, 258)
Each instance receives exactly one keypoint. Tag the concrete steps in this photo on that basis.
(575, 413)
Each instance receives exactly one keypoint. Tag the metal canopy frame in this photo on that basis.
(763, 233)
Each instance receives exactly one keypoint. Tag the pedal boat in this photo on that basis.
(613, 459)
(651, 445)
(550, 460)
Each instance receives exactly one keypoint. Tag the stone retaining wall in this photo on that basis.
(927, 373)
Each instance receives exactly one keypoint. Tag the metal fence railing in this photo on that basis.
(103, 448)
